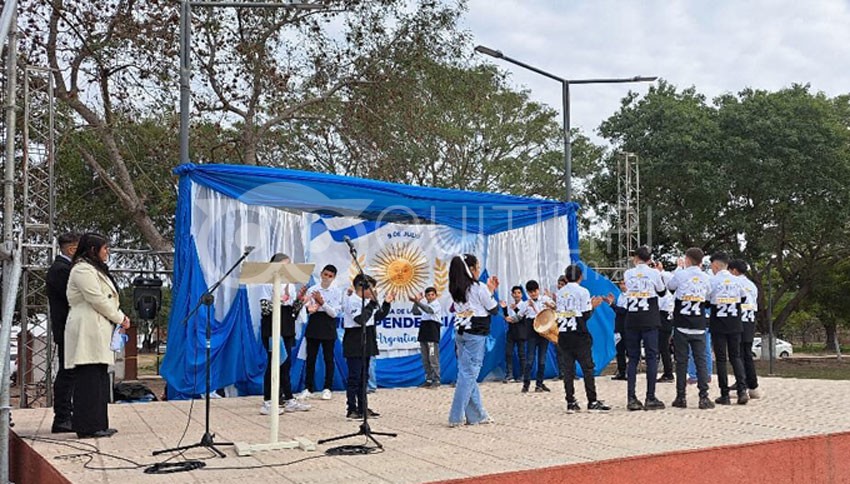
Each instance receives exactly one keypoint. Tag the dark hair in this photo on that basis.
(573, 273)
(721, 257)
(330, 268)
(516, 288)
(695, 255)
(430, 289)
(532, 285)
(68, 238)
(88, 250)
(359, 279)
(643, 253)
(279, 257)
(460, 277)
(739, 265)
(562, 279)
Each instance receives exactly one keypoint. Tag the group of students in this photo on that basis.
(688, 307)
(697, 311)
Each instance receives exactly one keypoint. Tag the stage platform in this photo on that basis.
(800, 432)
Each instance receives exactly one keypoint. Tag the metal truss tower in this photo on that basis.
(628, 207)
(35, 352)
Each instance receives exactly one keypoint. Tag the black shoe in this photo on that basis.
(505, 380)
(525, 388)
(353, 415)
(372, 413)
(723, 400)
(705, 403)
(619, 377)
(573, 407)
(654, 404)
(597, 407)
(634, 404)
(542, 388)
(666, 379)
(98, 434)
(434, 385)
(743, 398)
(61, 428)
(427, 384)
(680, 402)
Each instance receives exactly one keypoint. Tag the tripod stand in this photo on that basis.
(207, 299)
(365, 429)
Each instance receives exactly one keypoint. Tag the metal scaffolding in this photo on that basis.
(35, 344)
(628, 207)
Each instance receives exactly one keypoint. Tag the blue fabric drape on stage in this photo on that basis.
(238, 357)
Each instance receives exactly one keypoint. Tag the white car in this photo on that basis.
(782, 348)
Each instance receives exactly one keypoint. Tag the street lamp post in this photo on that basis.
(186, 53)
(565, 93)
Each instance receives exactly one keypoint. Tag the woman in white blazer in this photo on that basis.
(94, 313)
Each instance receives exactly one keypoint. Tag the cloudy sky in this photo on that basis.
(718, 46)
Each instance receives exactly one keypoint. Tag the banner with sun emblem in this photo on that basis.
(404, 259)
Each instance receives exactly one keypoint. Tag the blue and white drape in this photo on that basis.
(223, 208)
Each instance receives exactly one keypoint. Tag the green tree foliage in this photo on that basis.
(760, 174)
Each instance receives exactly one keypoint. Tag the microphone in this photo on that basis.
(248, 249)
(348, 242)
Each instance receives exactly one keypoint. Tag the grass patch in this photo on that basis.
(808, 368)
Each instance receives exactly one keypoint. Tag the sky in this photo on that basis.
(718, 46)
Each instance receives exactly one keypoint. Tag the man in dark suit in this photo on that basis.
(57, 283)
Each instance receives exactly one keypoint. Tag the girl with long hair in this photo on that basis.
(473, 305)
(94, 313)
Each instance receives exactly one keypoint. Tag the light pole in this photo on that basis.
(565, 88)
(186, 54)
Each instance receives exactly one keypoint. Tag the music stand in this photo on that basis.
(275, 273)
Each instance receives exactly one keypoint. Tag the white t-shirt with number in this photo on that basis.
(572, 303)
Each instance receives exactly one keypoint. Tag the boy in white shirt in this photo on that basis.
(537, 344)
(575, 307)
(362, 317)
(429, 334)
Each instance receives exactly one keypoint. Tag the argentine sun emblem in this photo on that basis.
(401, 269)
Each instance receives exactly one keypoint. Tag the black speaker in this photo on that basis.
(147, 297)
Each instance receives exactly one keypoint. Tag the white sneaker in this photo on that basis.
(295, 406)
(756, 393)
(304, 395)
(267, 408)
(326, 394)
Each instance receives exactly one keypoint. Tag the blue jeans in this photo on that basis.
(650, 346)
(692, 370)
(466, 405)
(372, 382)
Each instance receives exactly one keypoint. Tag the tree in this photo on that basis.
(760, 174)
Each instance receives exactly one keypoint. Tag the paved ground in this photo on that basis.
(531, 431)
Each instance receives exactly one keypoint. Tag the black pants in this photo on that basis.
(650, 346)
(696, 342)
(91, 397)
(749, 365)
(328, 357)
(520, 345)
(63, 388)
(577, 348)
(731, 343)
(537, 345)
(664, 334)
(355, 400)
(285, 383)
(621, 355)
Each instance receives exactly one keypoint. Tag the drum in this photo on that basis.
(546, 325)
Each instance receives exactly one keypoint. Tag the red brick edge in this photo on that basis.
(27, 465)
(803, 460)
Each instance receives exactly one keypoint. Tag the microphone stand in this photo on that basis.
(207, 299)
(365, 429)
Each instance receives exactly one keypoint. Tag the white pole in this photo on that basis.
(275, 347)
